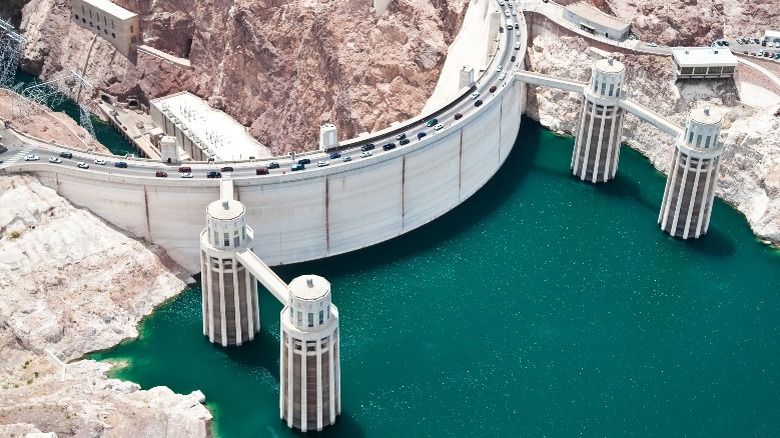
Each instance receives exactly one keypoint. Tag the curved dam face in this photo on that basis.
(316, 213)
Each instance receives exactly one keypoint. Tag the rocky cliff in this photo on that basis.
(281, 68)
(750, 169)
(71, 284)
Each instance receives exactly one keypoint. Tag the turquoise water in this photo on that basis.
(104, 132)
(544, 306)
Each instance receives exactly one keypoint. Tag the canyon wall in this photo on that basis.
(281, 68)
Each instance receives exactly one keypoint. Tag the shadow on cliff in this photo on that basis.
(482, 204)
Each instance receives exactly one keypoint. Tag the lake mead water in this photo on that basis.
(543, 306)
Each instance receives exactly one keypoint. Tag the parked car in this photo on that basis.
(100, 161)
(54, 160)
(458, 116)
(389, 146)
(335, 155)
(493, 89)
(66, 154)
(187, 169)
(227, 169)
(213, 174)
(297, 167)
(121, 164)
(478, 103)
(82, 165)
(367, 147)
(261, 171)
(431, 122)
(186, 175)
(365, 154)
(32, 158)
(160, 174)
(322, 163)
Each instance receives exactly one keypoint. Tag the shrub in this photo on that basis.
(14, 234)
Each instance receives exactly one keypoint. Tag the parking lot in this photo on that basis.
(752, 46)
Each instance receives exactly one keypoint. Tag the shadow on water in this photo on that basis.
(482, 204)
(254, 354)
(624, 187)
(715, 243)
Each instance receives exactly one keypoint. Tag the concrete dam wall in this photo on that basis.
(319, 212)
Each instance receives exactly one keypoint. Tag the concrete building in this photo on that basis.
(772, 36)
(329, 136)
(309, 365)
(466, 77)
(596, 22)
(203, 132)
(703, 62)
(690, 187)
(114, 23)
(597, 148)
(231, 314)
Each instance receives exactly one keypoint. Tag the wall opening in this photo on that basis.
(188, 48)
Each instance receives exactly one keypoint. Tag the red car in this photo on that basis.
(261, 171)
(493, 89)
(161, 174)
(458, 116)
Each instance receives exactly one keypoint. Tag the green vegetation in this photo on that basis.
(14, 234)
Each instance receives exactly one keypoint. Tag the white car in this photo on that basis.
(474, 95)
(499, 68)
(506, 13)
(322, 163)
(100, 161)
(365, 154)
(514, 13)
(777, 45)
(186, 175)
(82, 165)
(438, 127)
(501, 76)
(652, 44)
(54, 160)
(32, 158)
(346, 159)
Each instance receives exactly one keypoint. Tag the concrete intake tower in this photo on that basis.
(690, 187)
(231, 313)
(309, 364)
(597, 148)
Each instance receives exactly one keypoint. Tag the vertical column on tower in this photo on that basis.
(597, 143)
(690, 187)
(309, 366)
(231, 313)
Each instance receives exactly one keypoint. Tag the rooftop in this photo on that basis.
(609, 65)
(704, 116)
(703, 56)
(217, 132)
(588, 12)
(309, 287)
(225, 210)
(111, 8)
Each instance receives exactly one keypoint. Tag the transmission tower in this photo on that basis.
(11, 46)
(54, 91)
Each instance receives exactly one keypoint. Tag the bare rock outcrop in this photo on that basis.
(70, 285)
(280, 68)
(750, 169)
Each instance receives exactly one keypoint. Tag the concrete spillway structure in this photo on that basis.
(309, 365)
(690, 187)
(597, 148)
(231, 314)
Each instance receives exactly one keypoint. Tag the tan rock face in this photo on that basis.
(281, 68)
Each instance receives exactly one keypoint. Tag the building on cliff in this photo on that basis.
(703, 62)
(596, 22)
(120, 27)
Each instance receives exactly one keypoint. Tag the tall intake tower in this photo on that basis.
(230, 309)
(309, 365)
(690, 187)
(597, 148)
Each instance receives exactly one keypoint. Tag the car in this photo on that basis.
(227, 169)
(517, 45)
(403, 141)
(322, 163)
(346, 158)
(335, 155)
(389, 146)
(493, 89)
(719, 43)
(213, 174)
(82, 165)
(763, 43)
(186, 169)
(1, 161)
(766, 54)
(54, 160)
(777, 44)
(365, 154)
(474, 95)
(506, 13)
(652, 45)
(186, 175)
(121, 164)
(760, 53)
(400, 136)
(297, 167)
(512, 58)
(726, 43)
(499, 68)
(514, 12)
(438, 127)
(777, 55)
(272, 165)
(458, 116)
(501, 76)
(32, 158)
(261, 171)
(421, 135)
(100, 161)
(161, 174)
(478, 103)
(367, 147)
(66, 154)
(744, 52)
(431, 122)
(304, 161)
